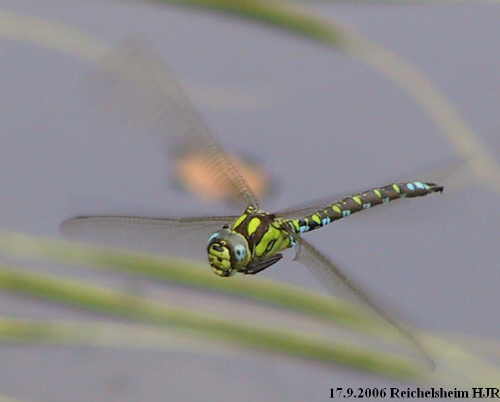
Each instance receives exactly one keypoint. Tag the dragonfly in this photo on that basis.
(254, 240)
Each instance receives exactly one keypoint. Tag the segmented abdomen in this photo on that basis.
(361, 201)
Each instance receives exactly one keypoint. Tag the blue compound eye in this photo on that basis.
(213, 236)
(240, 252)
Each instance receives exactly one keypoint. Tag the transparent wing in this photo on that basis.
(454, 176)
(142, 83)
(340, 285)
(185, 237)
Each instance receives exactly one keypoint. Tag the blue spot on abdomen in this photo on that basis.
(421, 186)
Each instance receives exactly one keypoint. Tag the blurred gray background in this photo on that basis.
(319, 121)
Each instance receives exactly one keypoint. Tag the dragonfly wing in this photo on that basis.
(340, 285)
(186, 237)
(140, 82)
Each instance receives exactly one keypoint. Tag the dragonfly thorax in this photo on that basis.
(228, 252)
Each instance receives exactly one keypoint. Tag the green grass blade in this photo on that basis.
(194, 275)
(455, 364)
(299, 21)
(4, 398)
(118, 304)
(18, 331)
(273, 13)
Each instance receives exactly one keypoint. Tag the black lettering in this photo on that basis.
(477, 392)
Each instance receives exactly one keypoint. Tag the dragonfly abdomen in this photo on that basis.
(361, 201)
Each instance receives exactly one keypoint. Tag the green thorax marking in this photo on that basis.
(266, 235)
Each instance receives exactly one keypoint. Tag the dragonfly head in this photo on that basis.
(228, 252)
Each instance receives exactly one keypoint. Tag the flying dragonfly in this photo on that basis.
(253, 241)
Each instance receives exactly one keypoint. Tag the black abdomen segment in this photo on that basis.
(361, 201)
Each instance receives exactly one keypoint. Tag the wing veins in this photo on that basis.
(324, 268)
(138, 67)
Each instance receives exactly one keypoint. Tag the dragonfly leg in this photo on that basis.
(261, 265)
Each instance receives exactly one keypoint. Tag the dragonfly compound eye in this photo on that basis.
(240, 252)
(227, 252)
